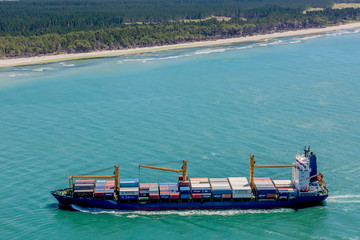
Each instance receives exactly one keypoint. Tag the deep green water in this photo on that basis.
(211, 106)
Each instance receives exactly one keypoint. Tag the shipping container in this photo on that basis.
(184, 184)
(264, 188)
(174, 195)
(84, 181)
(283, 184)
(226, 195)
(196, 195)
(283, 194)
(154, 196)
(129, 197)
(241, 196)
(129, 183)
(206, 195)
(217, 196)
(240, 187)
(129, 191)
(185, 196)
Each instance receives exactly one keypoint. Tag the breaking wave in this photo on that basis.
(67, 65)
(265, 43)
(269, 43)
(150, 59)
(208, 51)
(42, 69)
(12, 75)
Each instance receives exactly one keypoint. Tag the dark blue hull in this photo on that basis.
(300, 202)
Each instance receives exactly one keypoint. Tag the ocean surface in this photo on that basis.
(212, 106)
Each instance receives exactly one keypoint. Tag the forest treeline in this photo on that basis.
(47, 34)
(36, 17)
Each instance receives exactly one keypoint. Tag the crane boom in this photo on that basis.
(183, 169)
(115, 177)
(161, 168)
(273, 166)
(253, 166)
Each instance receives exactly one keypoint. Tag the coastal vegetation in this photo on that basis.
(37, 27)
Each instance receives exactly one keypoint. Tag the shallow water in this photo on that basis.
(212, 106)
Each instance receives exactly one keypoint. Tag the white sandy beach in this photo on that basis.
(111, 53)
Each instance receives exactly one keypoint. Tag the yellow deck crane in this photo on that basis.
(115, 177)
(320, 179)
(253, 166)
(183, 169)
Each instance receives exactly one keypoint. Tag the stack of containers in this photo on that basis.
(184, 188)
(100, 189)
(129, 189)
(84, 188)
(240, 187)
(265, 189)
(154, 191)
(144, 191)
(285, 189)
(164, 191)
(220, 188)
(169, 191)
(200, 188)
(174, 191)
(109, 188)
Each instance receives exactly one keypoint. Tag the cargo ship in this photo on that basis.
(306, 188)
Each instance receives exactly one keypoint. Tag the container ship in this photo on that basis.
(306, 188)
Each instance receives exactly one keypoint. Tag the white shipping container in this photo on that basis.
(220, 184)
(129, 191)
(220, 187)
(218, 180)
(199, 180)
(242, 195)
(203, 185)
(244, 190)
(283, 183)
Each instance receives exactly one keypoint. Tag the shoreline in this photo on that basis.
(112, 53)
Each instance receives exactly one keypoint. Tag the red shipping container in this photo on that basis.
(181, 177)
(154, 196)
(184, 184)
(196, 196)
(226, 196)
(174, 196)
(84, 191)
(99, 194)
(271, 195)
(84, 181)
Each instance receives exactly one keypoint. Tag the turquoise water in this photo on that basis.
(212, 106)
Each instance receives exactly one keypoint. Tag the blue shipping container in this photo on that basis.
(221, 191)
(217, 196)
(129, 197)
(164, 196)
(206, 196)
(185, 196)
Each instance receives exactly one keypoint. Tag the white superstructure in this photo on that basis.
(301, 173)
